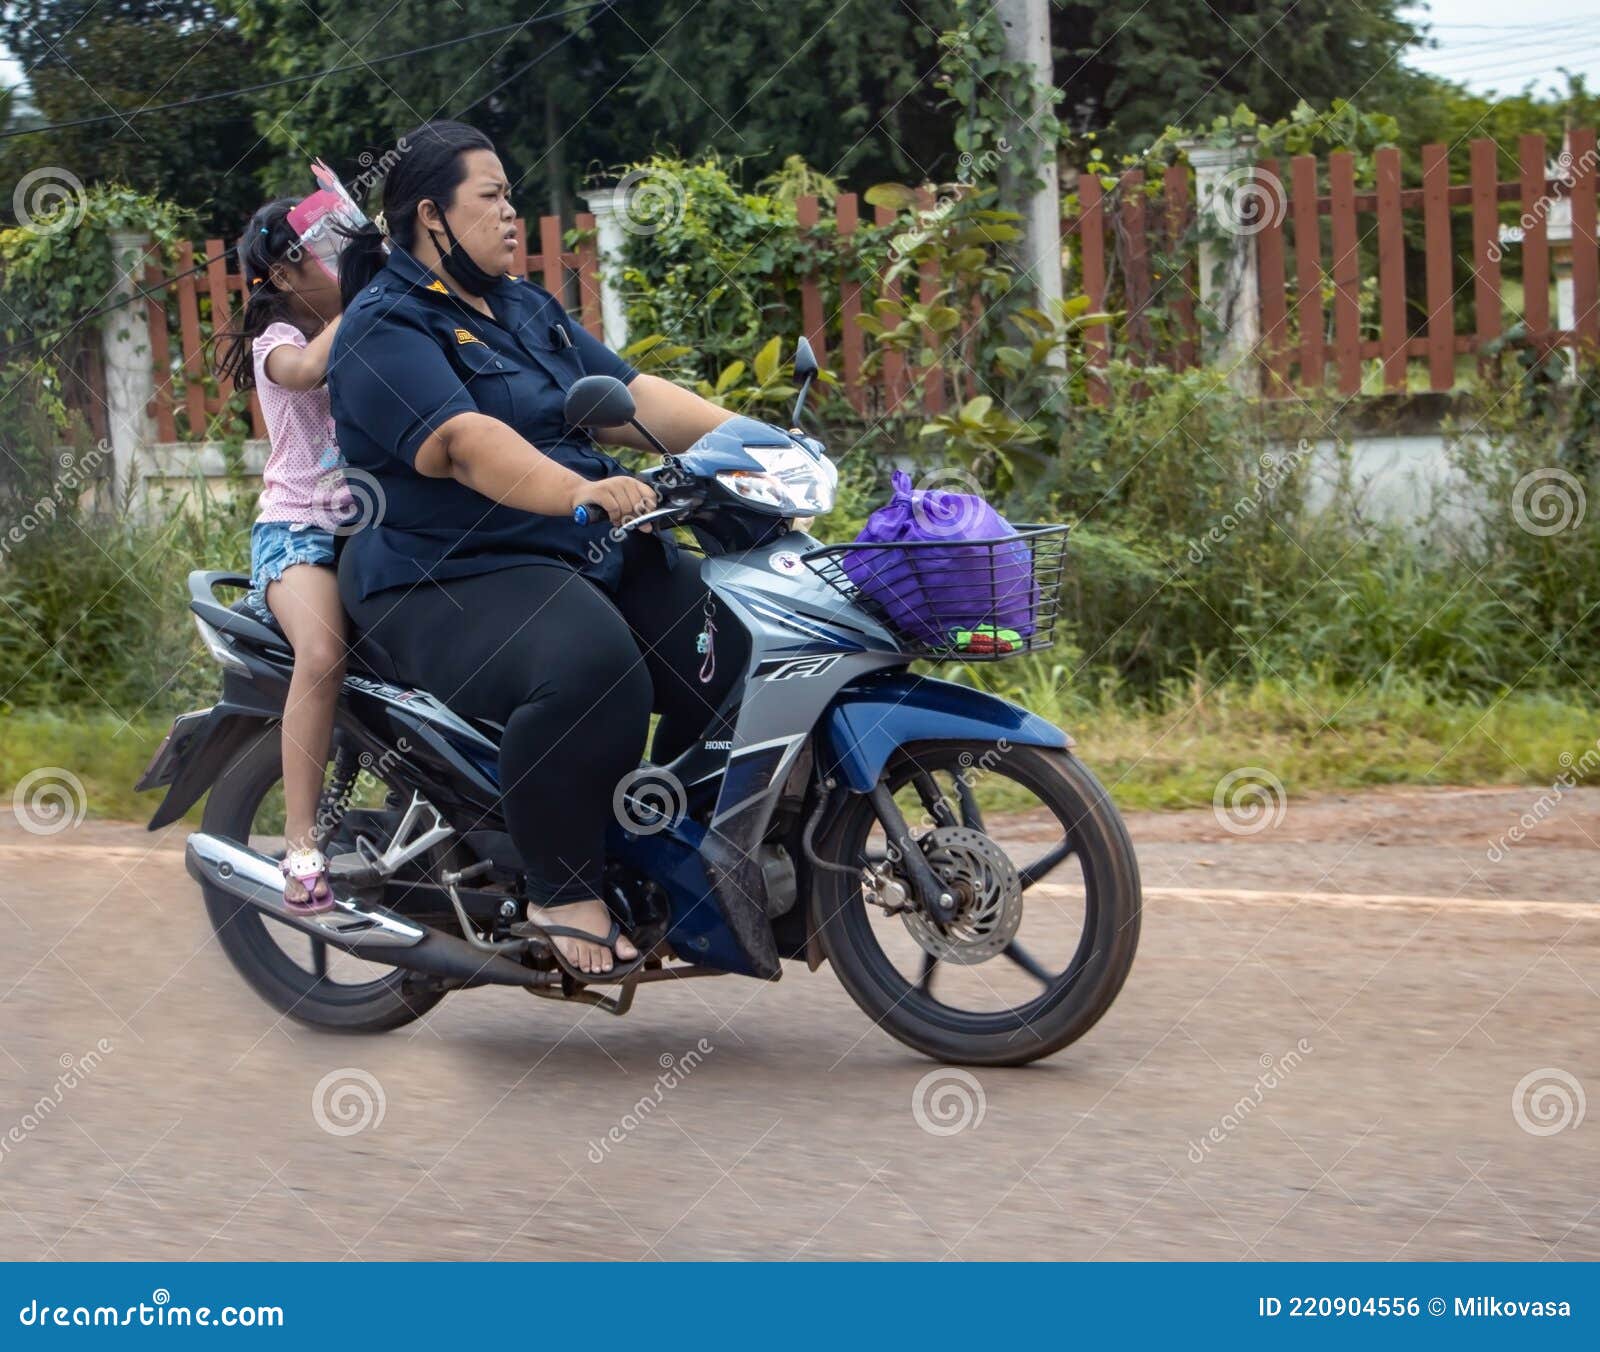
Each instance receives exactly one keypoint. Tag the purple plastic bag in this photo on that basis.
(929, 593)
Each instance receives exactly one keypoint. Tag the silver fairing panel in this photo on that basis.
(806, 642)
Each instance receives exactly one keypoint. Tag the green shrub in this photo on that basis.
(93, 610)
(718, 269)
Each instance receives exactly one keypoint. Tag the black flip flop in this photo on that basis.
(619, 968)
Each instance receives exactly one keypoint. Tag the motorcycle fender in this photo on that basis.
(869, 719)
(192, 765)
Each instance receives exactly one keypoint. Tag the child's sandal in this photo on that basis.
(309, 868)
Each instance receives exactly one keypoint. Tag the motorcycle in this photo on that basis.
(839, 808)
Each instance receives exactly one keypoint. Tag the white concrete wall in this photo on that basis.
(1398, 478)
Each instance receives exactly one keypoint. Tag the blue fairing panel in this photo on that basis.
(869, 719)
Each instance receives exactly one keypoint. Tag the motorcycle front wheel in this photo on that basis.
(1047, 892)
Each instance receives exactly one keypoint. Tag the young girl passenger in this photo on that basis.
(281, 351)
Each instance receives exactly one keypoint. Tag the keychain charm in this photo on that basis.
(705, 644)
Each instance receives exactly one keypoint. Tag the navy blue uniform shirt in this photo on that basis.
(408, 357)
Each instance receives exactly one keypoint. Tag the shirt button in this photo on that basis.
(499, 365)
(372, 291)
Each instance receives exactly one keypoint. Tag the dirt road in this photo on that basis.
(1318, 1055)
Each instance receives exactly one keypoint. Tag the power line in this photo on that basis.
(1540, 63)
(194, 101)
(1554, 33)
(1492, 27)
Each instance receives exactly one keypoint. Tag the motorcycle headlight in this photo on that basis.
(790, 480)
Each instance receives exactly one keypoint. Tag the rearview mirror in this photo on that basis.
(805, 371)
(805, 361)
(598, 401)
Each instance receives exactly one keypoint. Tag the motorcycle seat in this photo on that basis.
(367, 656)
(242, 621)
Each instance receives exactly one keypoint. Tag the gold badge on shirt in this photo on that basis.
(440, 287)
(464, 336)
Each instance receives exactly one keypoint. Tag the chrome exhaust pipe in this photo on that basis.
(373, 933)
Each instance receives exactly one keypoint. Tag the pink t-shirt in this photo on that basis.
(303, 481)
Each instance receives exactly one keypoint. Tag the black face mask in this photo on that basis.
(458, 263)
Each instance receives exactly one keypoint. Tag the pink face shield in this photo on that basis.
(320, 219)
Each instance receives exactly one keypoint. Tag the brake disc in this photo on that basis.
(988, 893)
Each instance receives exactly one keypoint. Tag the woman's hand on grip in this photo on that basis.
(622, 496)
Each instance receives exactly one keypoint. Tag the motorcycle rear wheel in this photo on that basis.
(299, 976)
(1084, 888)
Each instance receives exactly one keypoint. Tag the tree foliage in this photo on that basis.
(84, 59)
(1135, 69)
(843, 84)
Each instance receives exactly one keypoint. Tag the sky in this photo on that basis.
(1491, 46)
(1487, 45)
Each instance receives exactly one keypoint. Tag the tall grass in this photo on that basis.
(93, 611)
(1165, 752)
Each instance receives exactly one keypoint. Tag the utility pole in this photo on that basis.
(1028, 179)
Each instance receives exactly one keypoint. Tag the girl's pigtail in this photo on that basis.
(266, 241)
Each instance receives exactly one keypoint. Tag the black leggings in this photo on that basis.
(573, 676)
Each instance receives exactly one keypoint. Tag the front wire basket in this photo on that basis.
(955, 600)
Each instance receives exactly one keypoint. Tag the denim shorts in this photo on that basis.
(276, 545)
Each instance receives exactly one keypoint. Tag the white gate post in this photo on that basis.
(1558, 235)
(1230, 290)
(130, 375)
(608, 206)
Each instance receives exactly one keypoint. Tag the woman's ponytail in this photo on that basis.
(360, 260)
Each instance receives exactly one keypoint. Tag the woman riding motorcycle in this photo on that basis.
(447, 381)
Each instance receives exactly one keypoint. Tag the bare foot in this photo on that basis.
(589, 915)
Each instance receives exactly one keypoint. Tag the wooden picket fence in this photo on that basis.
(1131, 249)
(1419, 322)
(188, 399)
(572, 274)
